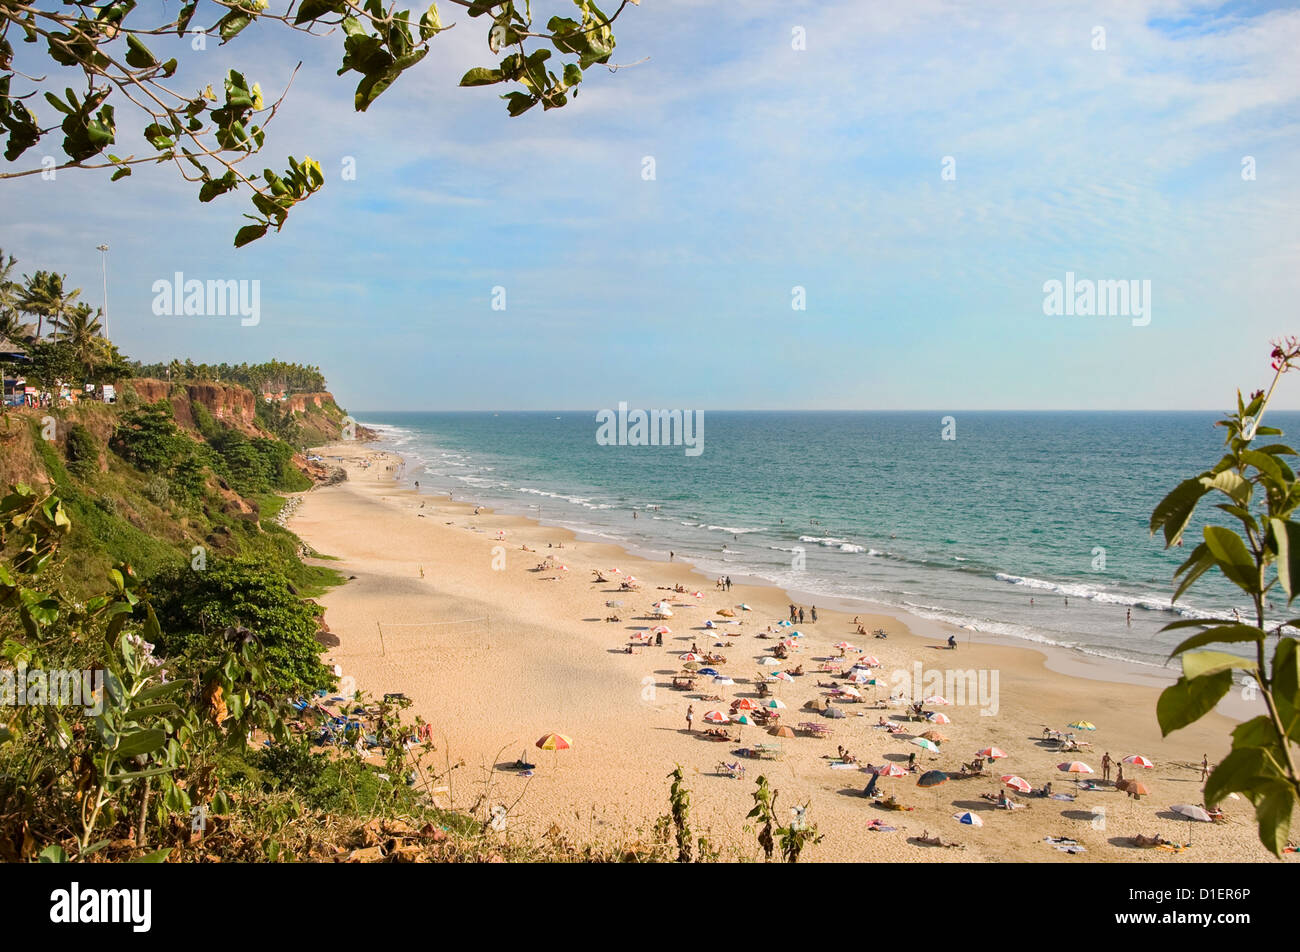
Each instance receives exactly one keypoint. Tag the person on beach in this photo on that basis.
(1105, 766)
(792, 610)
(670, 556)
(728, 583)
(690, 718)
(1205, 766)
(952, 642)
(814, 614)
(1128, 617)
(801, 616)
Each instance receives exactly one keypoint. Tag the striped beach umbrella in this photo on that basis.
(936, 699)
(717, 717)
(743, 718)
(888, 770)
(925, 743)
(991, 753)
(970, 819)
(770, 662)
(554, 741)
(689, 656)
(1084, 726)
(782, 676)
(747, 704)
(934, 717)
(871, 661)
(1017, 783)
(1074, 767)
(1137, 760)
(723, 681)
(774, 704)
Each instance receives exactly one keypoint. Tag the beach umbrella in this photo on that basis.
(743, 718)
(698, 594)
(709, 672)
(934, 736)
(744, 608)
(1193, 814)
(925, 743)
(932, 778)
(717, 717)
(662, 603)
(861, 677)
(554, 742)
(991, 753)
(723, 681)
(690, 656)
(934, 717)
(935, 699)
(630, 578)
(1137, 760)
(662, 613)
(770, 662)
(1075, 767)
(851, 692)
(889, 770)
(785, 624)
(774, 704)
(834, 712)
(870, 661)
(783, 731)
(1136, 788)
(690, 666)
(838, 644)
(796, 634)
(747, 704)
(1084, 726)
(661, 630)
(970, 819)
(1017, 783)
(725, 613)
(782, 676)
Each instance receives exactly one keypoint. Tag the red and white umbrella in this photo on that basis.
(1075, 766)
(890, 770)
(1137, 760)
(934, 717)
(1017, 783)
(662, 630)
(698, 594)
(871, 661)
(747, 704)
(991, 753)
(936, 699)
(690, 656)
(717, 717)
(782, 676)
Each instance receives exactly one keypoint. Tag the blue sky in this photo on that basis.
(775, 168)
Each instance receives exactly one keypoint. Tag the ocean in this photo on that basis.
(1023, 525)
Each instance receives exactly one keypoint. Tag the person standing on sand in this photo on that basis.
(1128, 617)
(1205, 766)
(1105, 766)
(690, 718)
(728, 583)
(801, 616)
(670, 556)
(814, 614)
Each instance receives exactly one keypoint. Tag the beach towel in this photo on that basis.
(1063, 796)
(1073, 849)
(841, 765)
(883, 829)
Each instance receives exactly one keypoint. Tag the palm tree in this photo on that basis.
(83, 333)
(46, 297)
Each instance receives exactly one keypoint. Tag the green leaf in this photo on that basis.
(1232, 557)
(481, 76)
(249, 233)
(1197, 664)
(1243, 770)
(140, 742)
(137, 54)
(1221, 634)
(430, 24)
(157, 856)
(1175, 510)
(1286, 536)
(1273, 806)
(53, 854)
(1186, 702)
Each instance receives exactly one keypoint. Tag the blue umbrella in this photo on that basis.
(711, 672)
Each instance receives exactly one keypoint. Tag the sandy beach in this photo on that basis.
(450, 608)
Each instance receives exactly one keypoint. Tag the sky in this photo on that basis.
(1112, 155)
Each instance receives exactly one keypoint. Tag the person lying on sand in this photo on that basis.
(1149, 841)
(926, 839)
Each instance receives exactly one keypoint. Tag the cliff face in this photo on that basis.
(230, 404)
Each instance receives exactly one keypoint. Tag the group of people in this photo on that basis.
(796, 614)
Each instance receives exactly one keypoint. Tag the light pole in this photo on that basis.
(103, 249)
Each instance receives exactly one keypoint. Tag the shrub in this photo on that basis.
(82, 450)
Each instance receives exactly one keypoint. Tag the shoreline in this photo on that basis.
(547, 660)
